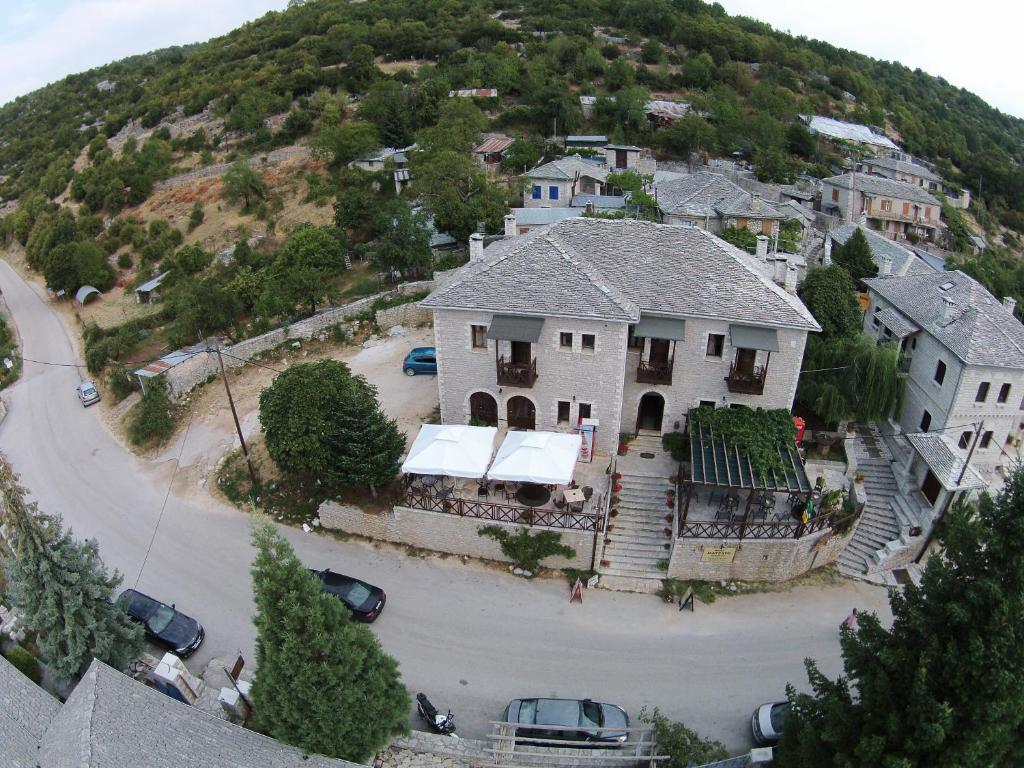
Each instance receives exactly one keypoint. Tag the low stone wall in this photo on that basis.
(410, 315)
(756, 559)
(442, 532)
(194, 371)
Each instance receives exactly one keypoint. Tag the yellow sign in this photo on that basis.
(718, 555)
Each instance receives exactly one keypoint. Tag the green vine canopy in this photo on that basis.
(759, 433)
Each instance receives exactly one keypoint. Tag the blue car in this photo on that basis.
(420, 360)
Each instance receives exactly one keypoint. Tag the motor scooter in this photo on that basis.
(443, 724)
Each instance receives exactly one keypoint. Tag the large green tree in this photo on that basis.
(323, 684)
(404, 245)
(61, 589)
(944, 686)
(831, 296)
(302, 273)
(457, 193)
(320, 420)
(242, 182)
(855, 256)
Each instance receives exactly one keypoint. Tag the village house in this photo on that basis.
(620, 157)
(492, 149)
(595, 141)
(963, 352)
(554, 184)
(629, 323)
(895, 208)
(710, 201)
(901, 170)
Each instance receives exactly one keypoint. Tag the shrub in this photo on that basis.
(119, 382)
(678, 444)
(124, 261)
(150, 419)
(526, 550)
(683, 746)
(338, 333)
(25, 663)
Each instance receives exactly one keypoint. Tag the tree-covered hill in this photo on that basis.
(748, 79)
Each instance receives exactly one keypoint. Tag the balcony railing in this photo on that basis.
(516, 374)
(654, 373)
(747, 383)
(904, 363)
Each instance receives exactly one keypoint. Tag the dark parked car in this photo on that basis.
(581, 714)
(768, 721)
(364, 600)
(420, 360)
(164, 624)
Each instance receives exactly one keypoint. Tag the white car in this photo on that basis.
(87, 393)
(768, 721)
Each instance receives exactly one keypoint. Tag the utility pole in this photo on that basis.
(234, 413)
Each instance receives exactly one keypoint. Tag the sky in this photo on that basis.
(973, 45)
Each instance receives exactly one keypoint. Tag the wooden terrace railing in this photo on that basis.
(503, 513)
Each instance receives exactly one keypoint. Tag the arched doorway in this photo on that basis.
(651, 411)
(483, 409)
(521, 413)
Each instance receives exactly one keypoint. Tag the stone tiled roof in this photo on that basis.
(612, 270)
(895, 321)
(944, 462)
(902, 258)
(566, 168)
(25, 712)
(879, 186)
(709, 194)
(982, 331)
(112, 721)
(902, 166)
(837, 129)
(533, 217)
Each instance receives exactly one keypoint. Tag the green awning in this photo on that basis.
(671, 328)
(753, 337)
(513, 328)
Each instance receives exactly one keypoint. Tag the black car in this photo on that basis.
(165, 626)
(364, 600)
(577, 716)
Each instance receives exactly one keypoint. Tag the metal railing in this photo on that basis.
(516, 374)
(654, 373)
(502, 513)
(751, 383)
(765, 529)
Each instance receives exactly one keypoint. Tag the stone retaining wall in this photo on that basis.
(409, 315)
(442, 532)
(757, 559)
(185, 376)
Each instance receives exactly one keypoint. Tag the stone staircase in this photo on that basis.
(635, 545)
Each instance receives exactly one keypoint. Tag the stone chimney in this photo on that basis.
(948, 310)
(886, 267)
(791, 276)
(476, 246)
(761, 250)
(1010, 303)
(863, 219)
(510, 225)
(755, 202)
(779, 273)
(826, 255)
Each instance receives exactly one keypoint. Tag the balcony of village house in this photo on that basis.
(514, 359)
(746, 375)
(659, 336)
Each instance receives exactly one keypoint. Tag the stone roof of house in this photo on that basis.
(793, 210)
(982, 330)
(903, 259)
(566, 169)
(837, 129)
(902, 166)
(944, 462)
(614, 269)
(896, 322)
(880, 186)
(709, 194)
(536, 217)
(112, 721)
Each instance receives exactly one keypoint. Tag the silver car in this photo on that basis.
(87, 393)
(768, 721)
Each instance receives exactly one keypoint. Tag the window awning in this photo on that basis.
(752, 337)
(512, 328)
(671, 328)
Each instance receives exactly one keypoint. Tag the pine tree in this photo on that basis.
(323, 684)
(855, 256)
(61, 589)
(373, 445)
(944, 686)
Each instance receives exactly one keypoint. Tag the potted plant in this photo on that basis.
(670, 502)
(668, 531)
(613, 513)
(616, 488)
(858, 477)
(668, 518)
(623, 449)
(606, 563)
(616, 476)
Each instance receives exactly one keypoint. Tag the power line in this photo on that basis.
(56, 365)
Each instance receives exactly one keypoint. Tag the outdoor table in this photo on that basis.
(573, 495)
(532, 495)
(429, 480)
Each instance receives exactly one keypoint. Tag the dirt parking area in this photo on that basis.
(209, 432)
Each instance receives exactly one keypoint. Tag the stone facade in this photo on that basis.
(442, 532)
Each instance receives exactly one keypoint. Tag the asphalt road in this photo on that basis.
(471, 637)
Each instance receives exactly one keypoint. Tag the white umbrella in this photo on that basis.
(548, 458)
(456, 450)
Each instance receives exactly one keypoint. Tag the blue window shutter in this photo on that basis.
(536, 191)
(552, 193)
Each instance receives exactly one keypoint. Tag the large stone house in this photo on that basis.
(710, 201)
(901, 170)
(963, 352)
(893, 207)
(554, 184)
(627, 322)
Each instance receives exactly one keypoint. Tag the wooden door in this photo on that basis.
(659, 352)
(745, 359)
(521, 352)
(931, 487)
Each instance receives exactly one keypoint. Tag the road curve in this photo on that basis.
(471, 637)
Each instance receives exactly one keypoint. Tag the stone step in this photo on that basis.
(907, 512)
(639, 530)
(652, 543)
(863, 548)
(878, 531)
(649, 548)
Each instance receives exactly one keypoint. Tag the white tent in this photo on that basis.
(548, 458)
(456, 450)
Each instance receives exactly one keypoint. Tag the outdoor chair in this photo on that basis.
(482, 491)
(587, 492)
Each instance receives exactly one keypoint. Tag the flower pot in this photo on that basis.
(670, 502)
(668, 531)
(623, 449)
(606, 563)
(668, 518)
(613, 513)
(616, 476)
(616, 488)
(611, 527)
(675, 426)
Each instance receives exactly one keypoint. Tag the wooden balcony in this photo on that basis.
(751, 383)
(516, 374)
(654, 373)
